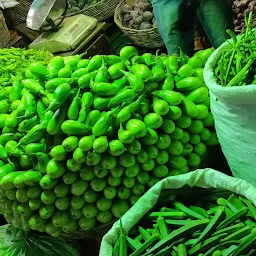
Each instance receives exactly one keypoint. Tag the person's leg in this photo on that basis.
(175, 20)
(216, 16)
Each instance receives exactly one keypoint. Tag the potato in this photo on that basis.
(145, 25)
(125, 9)
(138, 20)
(148, 16)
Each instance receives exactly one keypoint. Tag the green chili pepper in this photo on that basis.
(136, 83)
(43, 160)
(71, 127)
(148, 59)
(115, 70)
(40, 108)
(33, 86)
(102, 74)
(111, 59)
(158, 74)
(83, 63)
(30, 105)
(2, 120)
(125, 95)
(34, 135)
(141, 70)
(52, 84)
(171, 64)
(104, 89)
(102, 125)
(12, 149)
(60, 95)
(12, 119)
(168, 82)
(27, 124)
(128, 52)
(38, 69)
(54, 124)
(7, 168)
(4, 138)
(72, 61)
(73, 110)
(84, 81)
(95, 63)
(65, 72)
(79, 73)
(16, 91)
(4, 106)
(54, 66)
(100, 103)
(86, 102)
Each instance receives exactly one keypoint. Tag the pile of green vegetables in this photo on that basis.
(82, 139)
(208, 228)
(79, 5)
(14, 62)
(236, 66)
(14, 242)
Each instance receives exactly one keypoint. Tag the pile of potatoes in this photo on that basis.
(139, 15)
(240, 8)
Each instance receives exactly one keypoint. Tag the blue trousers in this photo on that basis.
(175, 19)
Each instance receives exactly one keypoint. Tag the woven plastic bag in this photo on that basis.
(234, 112)
(15, 242)
(205, 178)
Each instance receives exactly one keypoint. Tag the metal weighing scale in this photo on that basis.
(60, 33)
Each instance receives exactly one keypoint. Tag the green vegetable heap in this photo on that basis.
(226, 228)
(82, 139)
(236, 66)
(15, 61)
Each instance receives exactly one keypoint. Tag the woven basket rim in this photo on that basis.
(119, 23)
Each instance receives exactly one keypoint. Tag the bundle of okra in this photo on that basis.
(236, 65)
(227, 228)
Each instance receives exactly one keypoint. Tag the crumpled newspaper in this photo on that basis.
(4, 4)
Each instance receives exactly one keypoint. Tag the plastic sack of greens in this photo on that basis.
(229, 75)
(193, 186)
(15, 242)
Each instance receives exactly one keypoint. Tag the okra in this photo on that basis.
(146, 245)
(206, 245)
(230, 229)
(200, 211)
(116, 248)
(164, 232)
(250, 206)
(181, 250)
(166, 209)
(177, 222)
(179, 233)
(251, 239)
(238, 234)
(237, 203)
(123, 246)
(212, 224)
(168, 215)
(229, 250)
(232, 218)
(179, 206)
(144, 233)
(135, 245)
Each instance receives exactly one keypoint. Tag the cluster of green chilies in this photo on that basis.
(228, 228)
(15, 61)
(236, 66)
(82, 139)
